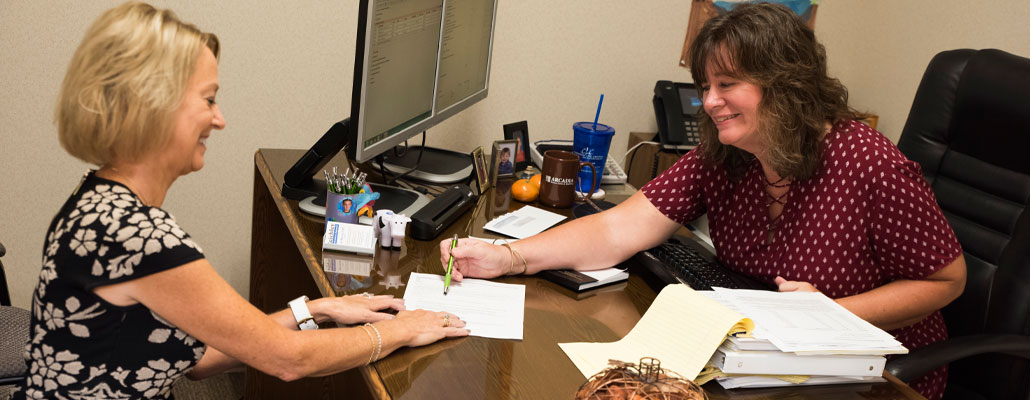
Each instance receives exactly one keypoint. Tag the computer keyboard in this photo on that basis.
(680, 261)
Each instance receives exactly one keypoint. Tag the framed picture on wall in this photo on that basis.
(519, 132)
(501, 164)
(703, 10)
(482, 172)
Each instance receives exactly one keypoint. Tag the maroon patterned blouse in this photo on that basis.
(866, 218)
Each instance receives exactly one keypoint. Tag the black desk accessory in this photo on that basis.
(442, 211)
(299, 182)
(591, 207)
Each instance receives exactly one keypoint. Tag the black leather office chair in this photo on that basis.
(14, 332)
(969, 128)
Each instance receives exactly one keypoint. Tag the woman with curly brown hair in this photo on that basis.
(798, 192)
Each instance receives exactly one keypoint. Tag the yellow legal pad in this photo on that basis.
(682, 329)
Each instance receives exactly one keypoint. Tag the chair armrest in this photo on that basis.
(925, 359)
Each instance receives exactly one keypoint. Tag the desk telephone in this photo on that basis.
(676, 106)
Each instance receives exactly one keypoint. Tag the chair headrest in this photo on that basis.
(991, 119)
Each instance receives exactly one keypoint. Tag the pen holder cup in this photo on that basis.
(341, 207)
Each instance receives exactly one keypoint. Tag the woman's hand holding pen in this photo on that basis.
(475, 259)
(355, 309)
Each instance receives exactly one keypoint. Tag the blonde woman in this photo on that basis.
(126, 303)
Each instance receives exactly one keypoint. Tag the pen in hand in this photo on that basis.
(450, 265)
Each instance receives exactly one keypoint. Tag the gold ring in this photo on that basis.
(446, 320)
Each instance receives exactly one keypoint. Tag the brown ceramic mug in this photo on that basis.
(558, 183)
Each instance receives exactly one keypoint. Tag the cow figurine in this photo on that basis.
(381, 225)
(398, 224)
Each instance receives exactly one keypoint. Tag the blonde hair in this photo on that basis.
(125, 82)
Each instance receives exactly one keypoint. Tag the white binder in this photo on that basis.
(780, 363)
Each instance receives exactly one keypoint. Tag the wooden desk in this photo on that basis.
(286, 261)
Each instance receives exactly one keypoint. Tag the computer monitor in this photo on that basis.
(416, 63)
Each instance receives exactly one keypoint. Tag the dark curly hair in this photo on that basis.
(768, 45)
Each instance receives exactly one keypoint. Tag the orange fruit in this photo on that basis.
(524, 190)
(535, 180)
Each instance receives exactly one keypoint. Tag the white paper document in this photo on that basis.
(490, 309)
(808, 323)
(603, 275)
(524, 222)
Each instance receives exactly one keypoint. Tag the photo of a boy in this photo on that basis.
(347, 207)
(504, 166)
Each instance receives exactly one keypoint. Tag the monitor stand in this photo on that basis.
(398, 200)
(437, 165)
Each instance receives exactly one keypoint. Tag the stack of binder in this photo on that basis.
(748, 338)
(799, 339)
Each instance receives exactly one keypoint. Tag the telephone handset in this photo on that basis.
(675, 107)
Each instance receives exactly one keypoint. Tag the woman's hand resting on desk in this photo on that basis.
(784, 285)
(355, 309)
(424, 327)
(476, 259)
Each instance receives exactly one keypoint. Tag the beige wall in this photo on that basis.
(880, 48)
(285, 76)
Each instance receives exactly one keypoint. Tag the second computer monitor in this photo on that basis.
(417, 63)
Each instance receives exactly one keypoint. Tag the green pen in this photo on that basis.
(450, 265)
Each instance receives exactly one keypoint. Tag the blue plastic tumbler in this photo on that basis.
(591, 143)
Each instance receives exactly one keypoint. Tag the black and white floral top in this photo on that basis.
(82, 347)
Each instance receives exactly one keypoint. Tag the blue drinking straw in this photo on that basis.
(598, 114)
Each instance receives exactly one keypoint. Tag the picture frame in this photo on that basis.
(501, 160)
(482, 173)
(703, 10)
(519, 132)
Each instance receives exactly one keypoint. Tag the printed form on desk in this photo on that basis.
(682, 329)
(490, 309)
(807, 323)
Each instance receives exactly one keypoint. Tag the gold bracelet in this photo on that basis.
(525, 265)
(379, 342)
(513, 251)
(372, 341)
